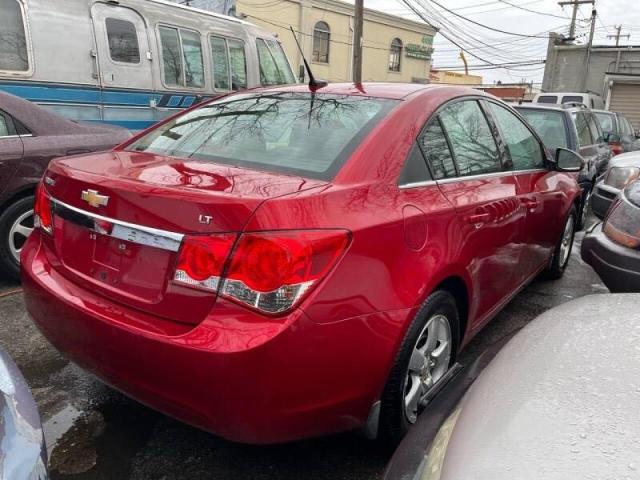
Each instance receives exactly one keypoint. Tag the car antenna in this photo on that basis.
(313, 83)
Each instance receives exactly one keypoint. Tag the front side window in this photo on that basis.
(14, 55)
(473, 145)
(594, 127)
(229, 64)
(181, 57)
(582, 127)
(4, 126)
(607, 122)
(274, 67)
(304, 134)
(550, 125)
(123, 41)
(395, 54)
(434, 143)
(321, 40)
(524, 148)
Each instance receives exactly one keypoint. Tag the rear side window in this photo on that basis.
(524, 148)
(550, 125)
(309, 135)
(14, 55)
(274, 67)
(582, 127)
(594, 127)
(548, 99)
(470, 137)
(434, 143)
(181, 57)
(123, 41)
(4, 126)
(606, 122)
(229, 64)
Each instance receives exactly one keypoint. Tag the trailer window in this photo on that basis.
(181, 57)
(274, 67)
(220, 63)
(123, 41)
(13, 39)
(238, 65)
(229, 64)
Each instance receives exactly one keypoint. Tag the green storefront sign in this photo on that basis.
(413, 50)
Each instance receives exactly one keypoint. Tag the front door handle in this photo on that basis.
(530, 203)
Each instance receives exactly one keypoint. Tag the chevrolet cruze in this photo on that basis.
(293, 261)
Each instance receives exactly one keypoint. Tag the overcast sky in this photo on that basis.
(508, 48)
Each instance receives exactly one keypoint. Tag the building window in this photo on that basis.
(13, 39)
(123, 41)
(321, 39)
(395, 53)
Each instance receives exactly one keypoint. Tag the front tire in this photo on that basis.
(562, 252)
(584, 211)
(428, 350)
(16, 223)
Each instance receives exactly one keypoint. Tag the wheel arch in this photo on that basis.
(19, 194)
(457, 286)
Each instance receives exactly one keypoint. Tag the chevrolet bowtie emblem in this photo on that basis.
(93, 198)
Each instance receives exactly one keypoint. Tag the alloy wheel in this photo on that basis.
(429, 361)
(19, 232)
(567, 238)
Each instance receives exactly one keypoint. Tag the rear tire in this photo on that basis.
(584, 211)
(562, 252)
(16, 222)
(437, 318)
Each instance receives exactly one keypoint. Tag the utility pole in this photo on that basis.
(357, 41)
(587, 61)
(576, 4)
(618, 35)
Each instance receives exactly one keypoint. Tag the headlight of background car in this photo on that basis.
(620, 177)
(432, 465)
(622, 224)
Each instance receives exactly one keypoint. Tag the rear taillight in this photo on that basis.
(43, 218)
(202, 258)
(616, 148)
(269, 271)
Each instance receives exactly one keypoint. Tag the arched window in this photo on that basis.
(321, 38)
(395, 54)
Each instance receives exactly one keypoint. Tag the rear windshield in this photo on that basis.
(547, 99)
(606, 122)
(549, 125)
(572, 99)
(300, 133)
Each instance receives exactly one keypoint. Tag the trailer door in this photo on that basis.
(124, 63)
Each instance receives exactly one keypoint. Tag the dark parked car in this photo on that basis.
(30, 136)
(618, 132)
(269, 234)
(23, 455)
(559, 401)
(623, 170)
(612, 248)
(577, 129)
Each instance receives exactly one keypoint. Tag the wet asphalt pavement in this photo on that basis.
(96, 433)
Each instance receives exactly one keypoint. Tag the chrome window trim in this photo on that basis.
(480, 176)
(138, 234)
(16, 136)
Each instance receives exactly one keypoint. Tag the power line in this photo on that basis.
(519, 7)
(481, 24)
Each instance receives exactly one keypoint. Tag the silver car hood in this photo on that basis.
(560, 401)
(629, 159)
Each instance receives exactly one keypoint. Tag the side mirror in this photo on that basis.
(568, 160)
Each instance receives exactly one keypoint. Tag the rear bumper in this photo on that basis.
(244, 377)
(617, 266)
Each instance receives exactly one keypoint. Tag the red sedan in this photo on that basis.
(285, 263)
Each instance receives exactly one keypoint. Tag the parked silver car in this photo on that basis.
(622, 170)
(23, 455)
(558, 402)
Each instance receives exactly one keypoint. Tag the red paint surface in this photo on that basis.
(266, 378)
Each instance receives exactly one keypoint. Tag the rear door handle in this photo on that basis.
(530, 202)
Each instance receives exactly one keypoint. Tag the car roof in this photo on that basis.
(554, 107)
(396, 91)
(559, 401)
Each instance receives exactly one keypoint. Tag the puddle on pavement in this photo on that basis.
(58, 425)
(75, 451)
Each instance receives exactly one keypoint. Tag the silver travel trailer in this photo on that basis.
(130, 62)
